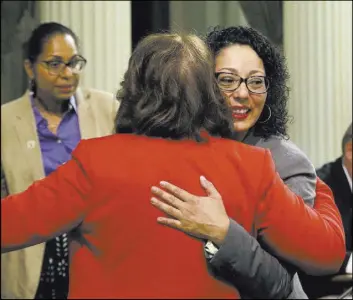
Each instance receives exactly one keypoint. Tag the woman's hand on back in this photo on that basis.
(201, 217)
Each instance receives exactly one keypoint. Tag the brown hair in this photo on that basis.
(170, 91)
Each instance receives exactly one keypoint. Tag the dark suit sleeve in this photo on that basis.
(242, 262)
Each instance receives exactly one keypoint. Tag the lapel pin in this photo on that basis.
(31, 144)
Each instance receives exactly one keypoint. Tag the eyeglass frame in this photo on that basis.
(65, 65)
(245, 80)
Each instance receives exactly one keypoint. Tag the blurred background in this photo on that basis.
(316, 37)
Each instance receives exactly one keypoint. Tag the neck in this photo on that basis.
(53, 106)
(240, 136)
(348, 165)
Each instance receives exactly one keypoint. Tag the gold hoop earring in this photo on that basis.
(269, 115)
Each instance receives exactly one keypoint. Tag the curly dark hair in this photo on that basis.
(170, 90)
(276, 71)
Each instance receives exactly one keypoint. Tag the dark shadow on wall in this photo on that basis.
(148, 17)
(18, 19)
(267, 17)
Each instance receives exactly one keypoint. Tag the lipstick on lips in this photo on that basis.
(65, 88)
(240, 112)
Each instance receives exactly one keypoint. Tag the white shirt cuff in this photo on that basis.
(210, 249)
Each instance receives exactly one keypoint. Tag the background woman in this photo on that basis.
(38, 133)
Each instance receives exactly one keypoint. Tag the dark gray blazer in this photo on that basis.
(242, 260)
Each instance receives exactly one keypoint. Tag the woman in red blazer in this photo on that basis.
(173, 123)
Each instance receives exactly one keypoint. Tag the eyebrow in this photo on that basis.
(61, 58)
(236, 71)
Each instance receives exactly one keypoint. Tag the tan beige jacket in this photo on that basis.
(21, 164)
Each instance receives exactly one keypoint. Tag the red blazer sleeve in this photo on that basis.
(310, 238)
(49, 207)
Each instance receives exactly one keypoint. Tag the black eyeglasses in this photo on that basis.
(229, 82)
(55, 66)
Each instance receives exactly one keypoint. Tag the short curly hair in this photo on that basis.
(276, 71)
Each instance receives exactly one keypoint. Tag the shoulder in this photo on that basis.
(15, 106)
(281, 146)
(326, 172)
(15, 103)
(87, 149)
(240, 148)
(97, 96)
(113, 142)
(325, 169)
(117, 147)
(287, 156)
(293, 166)
(247, 156)
(103, 103)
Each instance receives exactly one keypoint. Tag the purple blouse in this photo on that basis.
(56, 150)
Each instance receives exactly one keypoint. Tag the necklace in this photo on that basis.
(52, 120)
(53, 125)
(43, 107)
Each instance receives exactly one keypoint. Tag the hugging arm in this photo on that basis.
(293, 239)
(39, 214)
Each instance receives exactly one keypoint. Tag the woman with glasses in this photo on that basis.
(38, 133)
(252, 75)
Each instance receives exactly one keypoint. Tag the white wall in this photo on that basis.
(104, 29)
(318, 47)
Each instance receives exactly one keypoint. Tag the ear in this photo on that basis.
(29, 68)
(348, 151)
